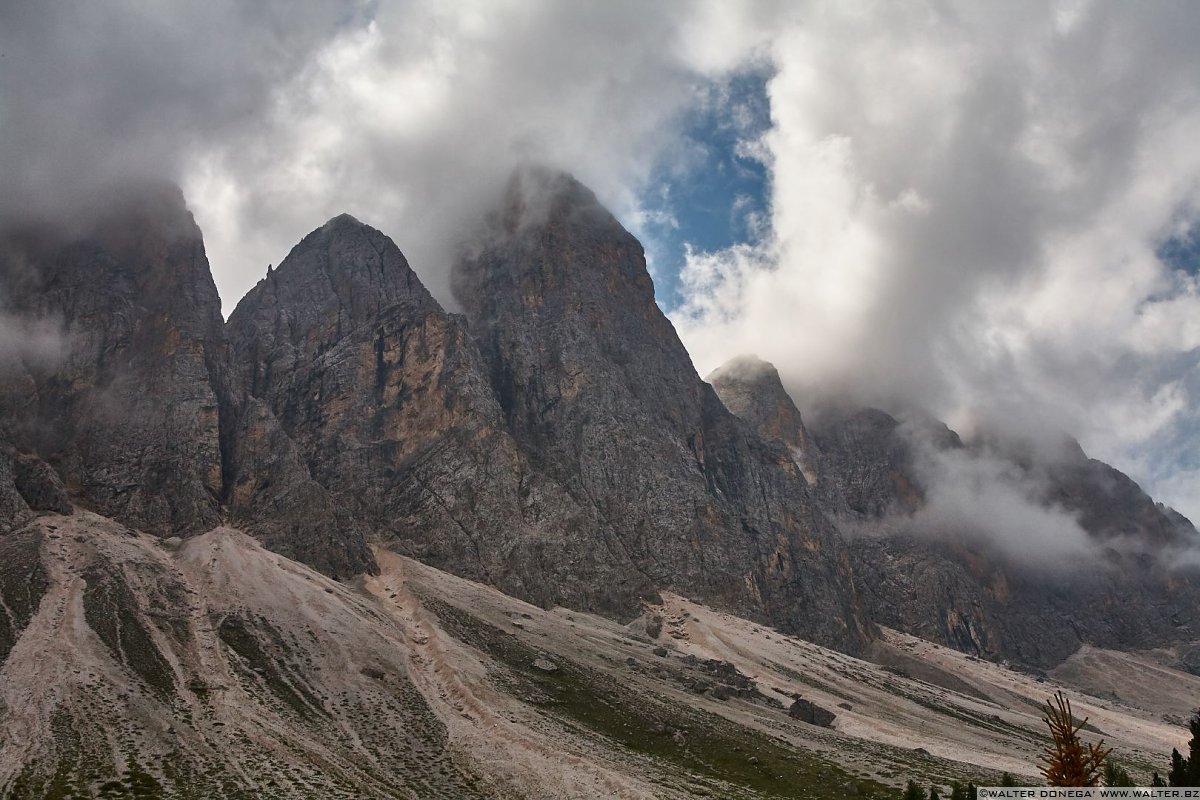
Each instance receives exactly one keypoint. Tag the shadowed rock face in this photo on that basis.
(953, 586)
(971, 598)
(600, 394)
(124, 388)
(126, 406)
(14, 511)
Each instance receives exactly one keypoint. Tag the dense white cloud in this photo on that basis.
(413, 122)
(408, 114)
(965, 200)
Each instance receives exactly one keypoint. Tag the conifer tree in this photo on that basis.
(1178, 774)
(1068, 761)
(1116, 775)
(1193, 759)
(913, 792)
(933, 793)
(958, 791)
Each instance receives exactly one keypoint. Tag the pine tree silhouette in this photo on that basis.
(1193, 759)
(1116, 775)
(1178, 774)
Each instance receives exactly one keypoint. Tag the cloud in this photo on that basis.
(979, 493)
(410, 115)
(25, 342)
(413, 122)
(97, 93)
(966, 210)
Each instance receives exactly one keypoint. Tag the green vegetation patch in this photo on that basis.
(263, 653)
(110, 608)
(22, 584)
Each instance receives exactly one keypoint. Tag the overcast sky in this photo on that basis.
(985, 208)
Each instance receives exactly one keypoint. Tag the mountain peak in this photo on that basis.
(343, 272)
(752, 390)
(536, 194)
(744, 367)
(596, 386)
(344, 219)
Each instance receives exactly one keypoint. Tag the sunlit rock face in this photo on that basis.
(751, 389)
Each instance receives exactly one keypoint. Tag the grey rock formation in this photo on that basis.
(39, 485)
(14, 511)
(1110, 505)
(271, 493)
(601, 395)
(558, 446)
(810, 712)
(126, 409)
(859, 461)
(387, 400)
(972, 598)
(866, 464)
(124, 388)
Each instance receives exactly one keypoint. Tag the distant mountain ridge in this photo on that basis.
(951, 584)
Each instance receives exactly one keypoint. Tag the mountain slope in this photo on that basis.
(205, 668)
(212, 667)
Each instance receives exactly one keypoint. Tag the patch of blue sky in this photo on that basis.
(715, 193)
(1181, 251)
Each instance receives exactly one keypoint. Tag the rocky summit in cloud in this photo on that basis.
(982, 210)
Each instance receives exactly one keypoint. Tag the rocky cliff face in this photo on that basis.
(387, 400)
(125, 403)
(555, 443)
(951, 583)
(117, 378)
(973, 598)
(600, 394)
(588, 467)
